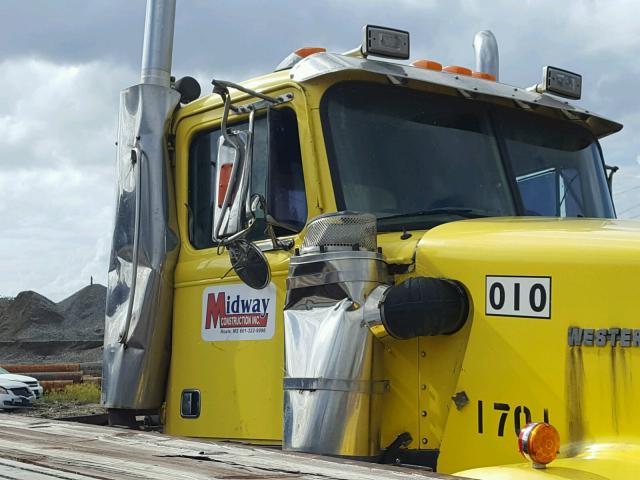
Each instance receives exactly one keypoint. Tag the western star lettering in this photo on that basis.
(600, 337)
(235, 312)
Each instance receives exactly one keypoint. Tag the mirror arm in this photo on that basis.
(219, 222)
(245, 184)
(259, 202)
(272, 236)
(219, 85)
(610, 171)
(244, 181)
(226, 98)
(278, 244)
(247, 169)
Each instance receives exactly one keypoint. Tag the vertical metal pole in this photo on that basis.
(157, 47)
(486, 48)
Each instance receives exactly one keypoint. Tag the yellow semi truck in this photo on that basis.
(365, 258)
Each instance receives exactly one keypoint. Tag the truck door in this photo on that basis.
(227, 347)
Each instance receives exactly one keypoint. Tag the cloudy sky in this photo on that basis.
(63, 62)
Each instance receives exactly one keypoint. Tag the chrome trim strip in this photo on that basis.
(337, 385)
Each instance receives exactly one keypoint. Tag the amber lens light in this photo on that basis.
(225, 176)
(457, 69)
(306, 51)
(427, 65)
(484, 76)
(539, 442)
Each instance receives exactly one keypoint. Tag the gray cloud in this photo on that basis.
(63, 64)
(57, 157)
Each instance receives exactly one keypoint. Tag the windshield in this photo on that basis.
(417, 159)
(3, 371)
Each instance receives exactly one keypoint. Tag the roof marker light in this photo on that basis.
(297, 55)
(540, 443)
(457, 69)
(484, 76)
(385, 42)
(559, 82)
(427, 65)
(306, 51)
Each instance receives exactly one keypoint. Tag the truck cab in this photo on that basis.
(489, 282)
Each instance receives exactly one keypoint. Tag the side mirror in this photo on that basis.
(233, 216)
(249, 263)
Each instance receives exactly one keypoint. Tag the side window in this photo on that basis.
(288, 201)
(286, 198)
(552, 192)
(539, 192)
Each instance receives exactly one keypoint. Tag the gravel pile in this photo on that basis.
(60, 410)
(33, 329)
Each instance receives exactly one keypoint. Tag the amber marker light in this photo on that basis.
(457, 69)
(427, 65)
(484, 76)
(540, 443)
(306, 51)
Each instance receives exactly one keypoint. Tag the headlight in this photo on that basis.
(3, 390)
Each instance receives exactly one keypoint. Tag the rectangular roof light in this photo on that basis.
(561, 82)
(385, 42)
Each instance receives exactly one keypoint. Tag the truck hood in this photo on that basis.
(558, 236)
(572, 362)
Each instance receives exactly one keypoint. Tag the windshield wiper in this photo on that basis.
(461, 212)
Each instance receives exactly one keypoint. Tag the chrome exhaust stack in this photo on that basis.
(331, 387)
(486, 50)
(157, 47)
(145, 240)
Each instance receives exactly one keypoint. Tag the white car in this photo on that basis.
(15, 395)
(31, 382)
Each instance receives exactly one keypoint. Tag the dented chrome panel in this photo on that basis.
(143, 254)
(330, 355)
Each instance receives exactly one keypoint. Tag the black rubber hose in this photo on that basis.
(423, 306)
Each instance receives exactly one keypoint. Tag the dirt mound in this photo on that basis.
(31, 319)
(30, 315)
(83, 312)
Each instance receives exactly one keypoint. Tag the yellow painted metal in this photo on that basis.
(400, 363)
(240, 381)
(511, 365)
(608, 461)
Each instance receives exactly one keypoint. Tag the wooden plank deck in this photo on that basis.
(38, 449)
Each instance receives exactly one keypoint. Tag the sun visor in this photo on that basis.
(328, 64)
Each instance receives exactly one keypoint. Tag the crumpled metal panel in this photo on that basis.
(330, 349)
(332, 390)
(143, 254)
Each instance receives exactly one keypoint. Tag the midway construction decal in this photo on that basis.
(237, 312)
